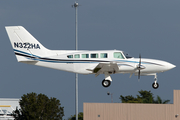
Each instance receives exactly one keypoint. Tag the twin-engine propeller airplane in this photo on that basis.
(28, 50)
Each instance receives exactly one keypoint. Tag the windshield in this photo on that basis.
(127, 55)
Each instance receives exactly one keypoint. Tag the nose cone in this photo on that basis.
(170, 66)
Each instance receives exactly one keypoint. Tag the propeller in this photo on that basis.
(139, 67)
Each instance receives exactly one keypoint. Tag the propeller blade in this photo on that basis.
(139, 60)
(139, 66)
(139, 74)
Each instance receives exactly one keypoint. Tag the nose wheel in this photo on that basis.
(155, 85)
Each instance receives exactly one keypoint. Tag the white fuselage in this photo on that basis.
(86, 65)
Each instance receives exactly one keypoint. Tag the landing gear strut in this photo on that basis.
(155, 85)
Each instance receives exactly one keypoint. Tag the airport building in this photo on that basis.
(7, 105)
(133, 111)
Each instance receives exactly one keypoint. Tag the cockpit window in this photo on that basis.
(118, 55)
(128, 56)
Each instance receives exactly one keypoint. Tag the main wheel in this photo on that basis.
(155, 86)
(106, 83)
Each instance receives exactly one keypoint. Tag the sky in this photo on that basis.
(147, 27)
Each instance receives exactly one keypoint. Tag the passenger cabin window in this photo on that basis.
(85, 55)
(118, 55)
(77, 56)
(70, 56)
(104, 55)
(94, 55)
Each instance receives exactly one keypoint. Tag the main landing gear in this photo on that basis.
(155, 85)
(107, 81)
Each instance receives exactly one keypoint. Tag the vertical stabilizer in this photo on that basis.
(25, 46)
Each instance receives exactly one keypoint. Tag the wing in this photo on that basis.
(103, 68)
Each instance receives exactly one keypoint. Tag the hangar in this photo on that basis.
(133, 111)
(7, 105)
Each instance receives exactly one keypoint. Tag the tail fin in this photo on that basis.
(25, 46)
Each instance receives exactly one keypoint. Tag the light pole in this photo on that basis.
(108, 93)
(76, 38)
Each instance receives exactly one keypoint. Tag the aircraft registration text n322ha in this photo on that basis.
(28, 50)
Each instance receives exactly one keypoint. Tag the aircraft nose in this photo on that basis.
(170, 66)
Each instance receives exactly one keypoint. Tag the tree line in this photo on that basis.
(143, 97)
(39, 107)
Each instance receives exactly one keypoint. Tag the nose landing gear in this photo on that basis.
(155, 85)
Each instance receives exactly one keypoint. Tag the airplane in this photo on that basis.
(29, 50)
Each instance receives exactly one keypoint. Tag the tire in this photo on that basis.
(155, 86)
(106, 83)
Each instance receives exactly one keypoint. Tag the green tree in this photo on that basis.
(38, 107)
(129, 99)
(160, 101)
(144, 97)
(17, 114)
(80, 116)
